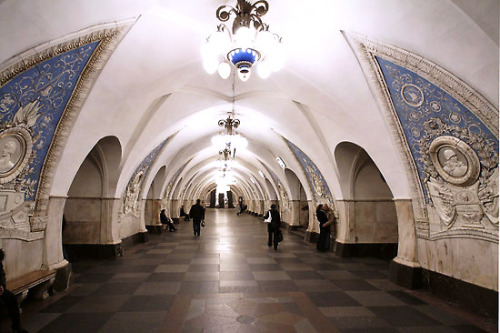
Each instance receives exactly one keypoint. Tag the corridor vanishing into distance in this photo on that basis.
(228, 280)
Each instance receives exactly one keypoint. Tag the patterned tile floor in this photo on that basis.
(228, 280)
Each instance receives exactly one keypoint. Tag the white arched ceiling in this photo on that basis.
(153, 86)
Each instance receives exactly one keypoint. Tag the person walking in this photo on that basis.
(165, 220)
(197, 213)
(273, 227)
(322, 213)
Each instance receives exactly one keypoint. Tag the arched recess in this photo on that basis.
(153, 200)
(291, 210)
(270, 189)
(370, 226)
(88, 209)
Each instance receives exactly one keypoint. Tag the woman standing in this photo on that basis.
(273, 227)
(323, 244)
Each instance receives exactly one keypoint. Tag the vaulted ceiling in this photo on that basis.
(151, 85)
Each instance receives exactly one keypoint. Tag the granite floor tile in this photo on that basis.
(228, 280)
(403, 316)
(77, 323)
(158, 288)
(332, 298)
(133, 322)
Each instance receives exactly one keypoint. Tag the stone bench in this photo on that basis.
(36, 282)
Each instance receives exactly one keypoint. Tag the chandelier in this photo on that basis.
(228, 141)
(247, 43)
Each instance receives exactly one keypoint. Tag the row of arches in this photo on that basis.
(366, 212)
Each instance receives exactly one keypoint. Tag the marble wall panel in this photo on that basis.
(21, 257)
(469, 260)
(83, 210)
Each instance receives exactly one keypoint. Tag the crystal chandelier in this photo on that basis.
(247, 43)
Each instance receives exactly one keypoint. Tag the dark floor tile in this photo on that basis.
(148, 303)
(116, 288)
(277, 286)
(353, 285)
(63, 304)
(331, 298)
(76, 323)
(405, 297)
(204, 268)
(361, 324)
(468, 329)
(304, 275)
(324, 266)
(264, 267)
(368, 274)
(93, 278)
(166, 277)
(403, 316)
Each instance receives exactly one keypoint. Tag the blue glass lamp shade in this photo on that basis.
(243, 56)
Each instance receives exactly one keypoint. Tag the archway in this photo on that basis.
(87, 212)
(370, 227)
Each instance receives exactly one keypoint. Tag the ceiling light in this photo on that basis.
(247, 43)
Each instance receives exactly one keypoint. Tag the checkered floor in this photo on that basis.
(229, 280)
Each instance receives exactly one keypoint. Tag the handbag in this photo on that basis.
(269, 219)
(280, 236)
(203, 223)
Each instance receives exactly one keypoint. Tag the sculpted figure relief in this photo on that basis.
(7, 155)
(133, 193)
(462, 195)
(451, 164)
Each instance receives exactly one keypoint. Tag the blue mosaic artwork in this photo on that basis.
(314, 176)
(49, 84)
(425, 112)
(148, 161)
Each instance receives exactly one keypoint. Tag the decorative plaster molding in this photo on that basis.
(108, 37)
(369, 54)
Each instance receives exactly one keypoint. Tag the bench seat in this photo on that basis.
(38, 282)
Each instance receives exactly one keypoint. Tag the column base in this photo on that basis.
(406, 276)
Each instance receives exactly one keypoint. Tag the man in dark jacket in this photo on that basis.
(164, 219)
(9, 300)
(197, 213)
(273, 227)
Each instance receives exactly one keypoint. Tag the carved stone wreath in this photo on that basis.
(454, 160)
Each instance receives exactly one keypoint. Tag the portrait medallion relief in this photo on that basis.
(15, 150)
(455, 161)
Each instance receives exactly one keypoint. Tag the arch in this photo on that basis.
(372, 219)
(86, 212)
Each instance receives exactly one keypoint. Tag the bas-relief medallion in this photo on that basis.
(455, 154)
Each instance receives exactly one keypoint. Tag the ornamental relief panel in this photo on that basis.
(447, 136)
(463, 195)
(16, 153)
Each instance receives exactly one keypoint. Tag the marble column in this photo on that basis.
(405, 269)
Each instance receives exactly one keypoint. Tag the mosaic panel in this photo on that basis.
(428, 115)
(31, 106)
(317, 182)
(135, 184)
